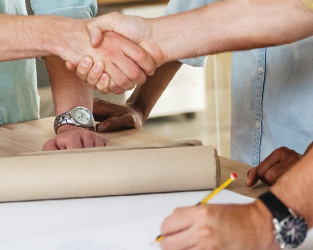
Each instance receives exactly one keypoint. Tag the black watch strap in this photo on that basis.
(276, 207)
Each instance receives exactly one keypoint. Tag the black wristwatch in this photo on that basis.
(289, 229)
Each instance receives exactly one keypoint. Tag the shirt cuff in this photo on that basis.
(74, 9)
(72, 12)
(308, 3)
(195, 62)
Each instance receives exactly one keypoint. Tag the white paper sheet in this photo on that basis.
(112, 223)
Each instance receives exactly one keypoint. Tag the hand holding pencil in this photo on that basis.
(232, 177)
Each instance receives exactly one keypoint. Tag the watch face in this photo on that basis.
(82, 116)
(293, 230)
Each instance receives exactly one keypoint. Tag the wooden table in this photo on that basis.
(28, 137)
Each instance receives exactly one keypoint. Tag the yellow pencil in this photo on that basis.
(232, 177)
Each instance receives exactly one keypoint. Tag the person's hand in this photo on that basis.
(275, 165)
(114, 117)
(71, 137)
(219, 227)
(128, 65)
(134, 28)
(125, 63)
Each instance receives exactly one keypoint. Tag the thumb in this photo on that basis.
(70, 65)
(125, 121)
(99, 25)
(252, 177)
(96, 36)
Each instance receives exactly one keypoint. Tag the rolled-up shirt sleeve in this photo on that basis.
(78, 9)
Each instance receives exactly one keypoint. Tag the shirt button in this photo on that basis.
(257, 124)
(260, 70)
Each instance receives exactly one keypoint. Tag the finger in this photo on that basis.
(96, 36)
(272, 175)
(104, 83)
(270, 161)
(70, 143)
(99, 25)
(252, 177)
(118, 77)
(133, 72)
(49, 145)
(88, 140)
(84, 67)
(69, 65)
(95, 73)
(125, 121)
(115, 89)
(182, 240)
(101, 141)
(181, 219)
(140, 56)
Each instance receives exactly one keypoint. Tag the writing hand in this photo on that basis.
(114, 117)
(71, 137)
(217, 227)
(275, 165)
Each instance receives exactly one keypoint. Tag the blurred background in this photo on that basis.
(196, 105)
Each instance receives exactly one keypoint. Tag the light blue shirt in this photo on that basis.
(19, 100)
(271, 97)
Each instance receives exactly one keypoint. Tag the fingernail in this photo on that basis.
(100, 85)
(103, 78)
(98, 67)
(86, 63)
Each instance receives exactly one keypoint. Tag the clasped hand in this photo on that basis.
(120, 62)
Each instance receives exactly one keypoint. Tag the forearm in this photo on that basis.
(145, 96)
(295, 188)
(35, 36)
(231, 25)
(68, 90)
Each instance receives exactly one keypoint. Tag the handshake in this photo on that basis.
(120, 54)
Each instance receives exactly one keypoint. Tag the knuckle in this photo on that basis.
(270, 176)
(123, 82)
(166, 224)
(203, 211)
(259, 171)
(135, 73)
(203, 235)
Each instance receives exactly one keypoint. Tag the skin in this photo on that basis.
(63, 82)
(138, 106)
(274, 166)
(184, 35)
(68, 39)
(249, 226)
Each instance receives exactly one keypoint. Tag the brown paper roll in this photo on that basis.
(90, 174)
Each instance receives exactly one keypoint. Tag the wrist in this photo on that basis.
(66, 38)
(65, 128)
(261, 216)
(143, 114)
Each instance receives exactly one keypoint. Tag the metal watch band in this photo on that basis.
(67, 118)
(276, 207)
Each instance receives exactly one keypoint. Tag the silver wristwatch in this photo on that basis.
(77, 116)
